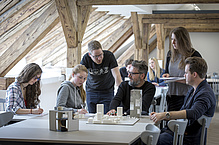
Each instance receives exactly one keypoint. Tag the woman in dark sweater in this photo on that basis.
(175, 64)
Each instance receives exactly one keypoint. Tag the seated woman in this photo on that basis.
(71, 94)
(155, 72)
(22, 95)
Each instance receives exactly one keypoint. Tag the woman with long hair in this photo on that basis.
(22, 96)
(175, 64)
(71, 93)
(155, 72)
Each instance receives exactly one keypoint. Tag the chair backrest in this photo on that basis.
(163, 103)
(2, 100)
(150, 135)
(5, 117)
(178, 127)
(205, 121)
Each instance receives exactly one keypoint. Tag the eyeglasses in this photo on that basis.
(37, 78)
(97, 56)
(133, 73)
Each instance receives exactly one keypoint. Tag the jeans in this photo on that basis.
(165, 139)
(94, 98)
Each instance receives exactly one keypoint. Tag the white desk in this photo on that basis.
(37, 130)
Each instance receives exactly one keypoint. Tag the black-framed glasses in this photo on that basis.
(97, 56)
(37, 78)
(133, 73)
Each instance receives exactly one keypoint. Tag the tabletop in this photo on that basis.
(36, 129)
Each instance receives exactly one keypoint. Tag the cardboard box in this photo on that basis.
(5, 82)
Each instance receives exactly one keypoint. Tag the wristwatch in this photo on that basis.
(168, 115)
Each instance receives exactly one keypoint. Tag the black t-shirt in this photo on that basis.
(100, 78)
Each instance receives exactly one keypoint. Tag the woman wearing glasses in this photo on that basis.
(71, 94)
(155, 73)
(22, 96)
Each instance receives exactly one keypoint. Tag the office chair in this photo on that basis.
(178, 127)
(5, 118)
(205, 121)
(3, 104)
(150, 135)
(163, 103)
(2, 100)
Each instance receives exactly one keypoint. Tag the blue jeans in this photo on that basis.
(94, 98)
(165, 139)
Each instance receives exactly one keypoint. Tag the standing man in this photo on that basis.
(103, 72)
(200, 100)
(136, 74)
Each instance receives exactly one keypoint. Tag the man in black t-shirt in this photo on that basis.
(103, 72)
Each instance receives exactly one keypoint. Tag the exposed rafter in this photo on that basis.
(141, 2)
(29, 39)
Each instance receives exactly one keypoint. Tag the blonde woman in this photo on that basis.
(71, 93)
(155, 73)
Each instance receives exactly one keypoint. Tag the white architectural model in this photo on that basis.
(100, 118)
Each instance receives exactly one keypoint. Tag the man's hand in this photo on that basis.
(111, 112)
(157, 117)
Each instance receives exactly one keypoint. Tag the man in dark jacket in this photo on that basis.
(200, 100)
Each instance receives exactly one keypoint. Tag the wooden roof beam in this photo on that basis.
(22, 14)
(141, 2)
(119, 36)
(68, 20)
(40, 27)
(195, 27)
(212, 18)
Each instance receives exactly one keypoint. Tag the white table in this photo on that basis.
(37, 130)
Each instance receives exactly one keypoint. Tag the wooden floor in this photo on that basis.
(213, 131)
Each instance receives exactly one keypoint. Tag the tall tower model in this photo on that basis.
(136, 103)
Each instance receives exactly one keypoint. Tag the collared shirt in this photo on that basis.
(14, 98)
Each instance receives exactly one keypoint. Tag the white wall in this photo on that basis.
(48, 95)
(207, 43)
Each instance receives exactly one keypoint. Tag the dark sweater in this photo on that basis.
(123, 96)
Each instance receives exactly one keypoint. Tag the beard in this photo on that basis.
(134, 83)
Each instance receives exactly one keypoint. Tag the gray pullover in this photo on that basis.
(69, 96)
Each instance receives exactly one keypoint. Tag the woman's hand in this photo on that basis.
(37, 111)
(156, 84)
(166, 75)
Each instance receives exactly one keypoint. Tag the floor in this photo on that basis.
(213, 131)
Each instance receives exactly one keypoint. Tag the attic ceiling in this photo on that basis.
(106, 24)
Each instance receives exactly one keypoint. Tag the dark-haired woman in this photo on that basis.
(22, 96)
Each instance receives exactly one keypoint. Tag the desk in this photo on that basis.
(37, 130)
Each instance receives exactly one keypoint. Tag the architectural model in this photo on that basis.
(100, 118)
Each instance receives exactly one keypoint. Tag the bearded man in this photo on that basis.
(136, 74)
